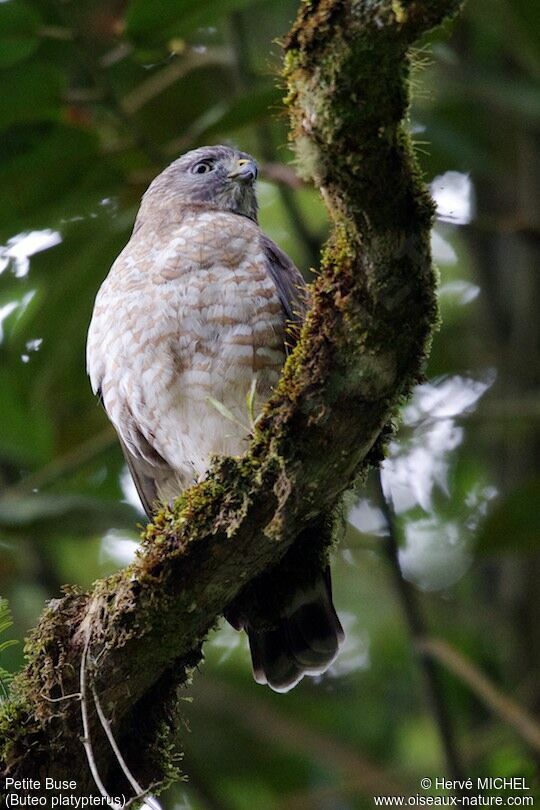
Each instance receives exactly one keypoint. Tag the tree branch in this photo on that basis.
(362, 348)
(310, 242)
(274, 729)
(508, 710)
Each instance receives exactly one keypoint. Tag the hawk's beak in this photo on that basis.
(244, 170)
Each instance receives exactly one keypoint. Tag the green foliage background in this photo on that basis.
(96, 98)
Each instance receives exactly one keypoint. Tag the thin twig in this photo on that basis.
(280, 173)
(418, 630)
(140, 792)
(72, 460)
(55, 32)
(144, 795)
(505, 707)
(60, 699)
(158, 82)
(86, 741)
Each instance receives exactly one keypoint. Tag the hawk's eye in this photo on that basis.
(203, 167)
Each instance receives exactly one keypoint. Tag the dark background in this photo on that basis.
(96, 98)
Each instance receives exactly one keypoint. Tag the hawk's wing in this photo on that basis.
(141, 472)
(291, 287)
(144, 484)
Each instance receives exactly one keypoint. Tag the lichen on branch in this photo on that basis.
(362, 348)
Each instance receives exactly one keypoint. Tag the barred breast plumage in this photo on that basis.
(183, 317)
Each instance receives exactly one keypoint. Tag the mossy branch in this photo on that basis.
(362, 348)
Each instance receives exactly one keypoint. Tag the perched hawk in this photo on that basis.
(194, 308)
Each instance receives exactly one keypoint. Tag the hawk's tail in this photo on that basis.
(304, 641)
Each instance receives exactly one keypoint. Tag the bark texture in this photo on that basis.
(362, 348)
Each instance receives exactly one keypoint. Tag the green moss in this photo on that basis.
(17, 727)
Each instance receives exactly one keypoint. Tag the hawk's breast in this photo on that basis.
(186, 318)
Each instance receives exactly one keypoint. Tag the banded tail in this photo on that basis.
(303, 638)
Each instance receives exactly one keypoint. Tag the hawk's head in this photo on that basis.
(217, 176)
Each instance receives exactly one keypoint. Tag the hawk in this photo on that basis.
(194, 310)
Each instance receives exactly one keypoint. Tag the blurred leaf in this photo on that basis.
(5, 616)
(64, 514)
(191, 103)
(10, 642)
(18, 32)
(458, 140)
(26, 435)
(52, 163)
(517, 97)
(248, 109)
(511, 28)
(513, 526)
(5, 623)
(30, 92)
(150, 22)
(70, 276)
